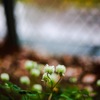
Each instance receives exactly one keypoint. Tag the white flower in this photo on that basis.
(37, 88)
(35, 72)
(25, 80)
(4, 77)
(30, 64)
(60, 69)
(49, 69)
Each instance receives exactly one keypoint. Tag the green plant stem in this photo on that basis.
(50, 96)
(57, 82)
(50, 80)
(39, 96)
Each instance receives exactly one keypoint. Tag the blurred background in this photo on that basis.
(54, 26)
(65, 31)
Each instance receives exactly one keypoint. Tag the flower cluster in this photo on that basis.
(60, 69)
(33, 68)
(51, 73)
(49, 69)
(52, 76)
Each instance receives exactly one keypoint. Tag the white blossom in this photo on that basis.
(49, 69)
(60, 69)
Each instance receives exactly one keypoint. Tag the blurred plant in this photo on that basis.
(74, 93)
(73, 79)
(30, 65)
(25, 80)
(51, 90)
(48, 77)
(4, 77)
(37, 88)
(98, 82)
(35, 72)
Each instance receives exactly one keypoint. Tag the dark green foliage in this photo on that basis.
(73, 93)
(9, 91)
(13, 92)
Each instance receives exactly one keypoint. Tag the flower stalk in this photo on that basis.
(48, 77)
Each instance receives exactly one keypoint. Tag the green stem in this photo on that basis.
(50, 96)
(39, 96)
(48, 76)
(57, 82)
(50, 80)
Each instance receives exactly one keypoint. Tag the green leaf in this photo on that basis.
(66, 97)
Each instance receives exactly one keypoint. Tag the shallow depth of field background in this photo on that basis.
(57, 26)
(52, 32)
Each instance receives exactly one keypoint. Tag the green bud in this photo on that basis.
(35, 72)
(98, 82)
(73, 79)
(37, 88)
(53, 79)
(49, 69)
(60, 69)
(30, 65)
(25, 80)
(78, 96)
(4, 77)
(45, 77)
(7, 87)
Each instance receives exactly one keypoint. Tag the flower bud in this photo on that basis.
(73, 79)
(60, 69)
(30, 64)
(98, 82)
(37, 88)
(49, 69)
(53, 79)
(4, 77)
(25, 80)
(35, 72)
(7, 87)
(45, 77)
